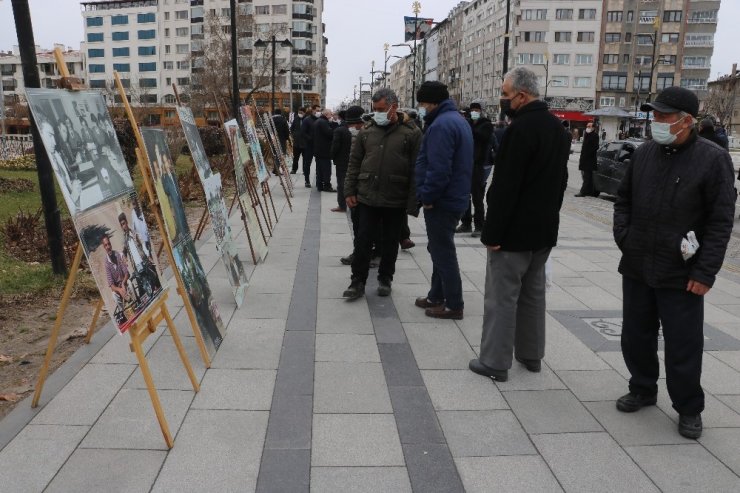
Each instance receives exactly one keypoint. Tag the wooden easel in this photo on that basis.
(271, 130)
(269, 139)
(253, 181)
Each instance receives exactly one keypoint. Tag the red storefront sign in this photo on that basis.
(576, 116)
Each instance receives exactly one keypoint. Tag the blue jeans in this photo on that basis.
(446, 282)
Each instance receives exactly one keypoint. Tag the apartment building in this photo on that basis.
(649, 45)
(154, 44)
(399, 81)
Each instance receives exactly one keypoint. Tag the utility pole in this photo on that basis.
(386, 47)
(372, 78)
(235, 97)
(416, 7)
(52, 219)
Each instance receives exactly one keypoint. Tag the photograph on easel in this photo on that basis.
(165, 185)
(195, 144)
(121, 259)
(254, 144)
(80, 140)
(199, 293)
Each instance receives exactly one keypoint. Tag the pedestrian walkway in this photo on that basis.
(311, 391)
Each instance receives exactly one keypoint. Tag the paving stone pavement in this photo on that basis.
(309, 392)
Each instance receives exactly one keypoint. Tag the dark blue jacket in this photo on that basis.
(444, 166)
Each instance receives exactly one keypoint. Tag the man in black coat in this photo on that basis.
(283, 134)
(587, 161)
(521, 228)
(297, 133)
(322, 137)
(707, 131)
(307, 130)
(675, 187)
(482, 141)
(340, 147)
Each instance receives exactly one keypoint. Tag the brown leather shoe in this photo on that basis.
(407, 243)
(424, 302)
(444, 313)
(338, 209)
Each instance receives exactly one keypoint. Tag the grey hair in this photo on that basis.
(387, 94)
(524, 80)
(683, 114)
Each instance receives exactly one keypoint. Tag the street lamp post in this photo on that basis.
(372, 77)
(302, 78)
(262, 44)
(416, 7)
(386, 47)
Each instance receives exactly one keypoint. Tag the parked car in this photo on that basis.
(611, 160)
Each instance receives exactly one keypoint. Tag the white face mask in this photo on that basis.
(422, 112)
(662, 132)
(301, 115)
(354, 131)
(381, 118)
(474, 115)
(589, 130)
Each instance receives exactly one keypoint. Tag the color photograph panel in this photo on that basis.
(195, 144)
(254, 144)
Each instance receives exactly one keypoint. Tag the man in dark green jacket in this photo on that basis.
(380, 184)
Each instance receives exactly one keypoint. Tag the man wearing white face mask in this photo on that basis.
(676, 184)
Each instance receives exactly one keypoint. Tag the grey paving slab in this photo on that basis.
(129, 421)
(108, 470)
(522, 379)
(686, 468)
(399, 365)
(249, 390)
(564, 351)
(267, 306)
(649, 426)
(341, 387)
(431, 468)
(117, 349)
(730, 358)
(723, 444)
(216, 451)
(31, 460)
(551, 411)
(296, 372)
(339, 317)
(588, 462)
(166, 366)
(251, 345)
(415, 417)
(462, 390)
(716, 414)
(285, 471)
(386, 325)
(616, 361)
(484, 433)
(438, 346)
(355, 440)
(360, 479)
(86, 396)
(354, 348)
(597, 385)
(289, 427)
(472, 327)
(732, 401)
(718, 377)
(523, 473)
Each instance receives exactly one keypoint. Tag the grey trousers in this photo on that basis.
(513, 308)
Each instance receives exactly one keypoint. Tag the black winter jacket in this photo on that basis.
(322, 135)
(341, 145)
(482, 135)
(296, 132)
(307, 131)
(529, 181)
(587, 161)
(667, 192)
(282, 129)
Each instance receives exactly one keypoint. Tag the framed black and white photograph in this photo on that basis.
(195, 144)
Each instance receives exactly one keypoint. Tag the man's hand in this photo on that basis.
(493, 248)
(351, 201)
(428, 206)
(697, 288)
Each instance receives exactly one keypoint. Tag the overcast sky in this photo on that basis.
(356, 30)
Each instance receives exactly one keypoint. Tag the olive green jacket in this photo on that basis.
(381, 165)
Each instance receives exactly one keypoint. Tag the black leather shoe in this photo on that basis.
(632, 402)
(477, 367)
(689, 426)
(355, 290)
(580, 195)
(308, 185)
(533, 365)
(348, 259)
(464, 228)
(384, 287)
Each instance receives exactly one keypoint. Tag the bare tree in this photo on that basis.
(720, 101)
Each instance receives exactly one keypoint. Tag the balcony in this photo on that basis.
(302, 34)
(706, 66)
(702, 20)
(308, 17)
(699, 43)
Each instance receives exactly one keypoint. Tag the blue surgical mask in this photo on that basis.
(422, 112)
(381, 118)
(662, 132)
(474, 115)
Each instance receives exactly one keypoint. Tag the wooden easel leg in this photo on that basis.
(233, 201)
(287, 195)
(201, 224)
(96, 315)
(57, 324)
(265, 191)
(146, 373)
(274, 211)
(180, 348)
(246, 230)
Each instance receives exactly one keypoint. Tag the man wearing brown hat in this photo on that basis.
(672, 221)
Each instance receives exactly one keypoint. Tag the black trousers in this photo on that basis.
(341, 173)
(405, 230)
(681, 315)
(370, 220)
(297, 151)
(587, 188)
(323, 173)
(307, 158)
(477, 193)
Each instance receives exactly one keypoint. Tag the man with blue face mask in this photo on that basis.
(676, 186)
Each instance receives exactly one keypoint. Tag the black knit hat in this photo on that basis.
(432, 92)
(475, 106)
(353, 114)
(673, 100)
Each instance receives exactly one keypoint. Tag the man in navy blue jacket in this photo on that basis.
(444, 169)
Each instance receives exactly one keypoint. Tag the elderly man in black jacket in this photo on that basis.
(340, 147)
(312, 115)
(676, 186)
(587, 161)
(297, 135)
(322, 137)
(521, 228)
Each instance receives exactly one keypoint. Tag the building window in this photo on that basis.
(181, 14)
(585, 36)
(94, 21)
(182, 49)
(147, 50)
(166, 16)
(587, 14)
(695, 62)
(147, 82)
(644, 40)
(703, 17)
(148, 98)
(672, 16)
(626, 59)
(614, 16)
(167, 49)
(699, 39)
(561, 59)
(694, 83)
(169, 99)
(166, 32)
(648, 16)
(643, 60)
(122, 67)
(121, 51)
(669, 37)
(611, 59)
(182, 32)
(584, 59)
(96, 68)
(279, 9)
(564, 14)
(119, 20)
(226, 12)
(262, 9)
(664, 81)
(120, 36)
(534, 36)
(582, 82)
(96, 53)
(148, 67)
(168, 65)
(559, 81)
(183, 65)
(627, 37)
(94, 37)
(183, 81)
(97, 84)
(147, 34)
(606, 101)
(126, 83)
(630, 16)
(145, 18)
(612, 37)
(534, 14)
(563, 36)
(640, 83)
(668, 59)
(614, 82)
